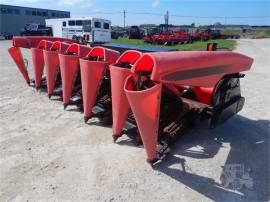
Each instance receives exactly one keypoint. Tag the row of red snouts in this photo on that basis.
(124, 95)
(68, 58)
(47, 43)
(145, 104)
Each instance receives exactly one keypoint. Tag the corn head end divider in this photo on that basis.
(150, 95)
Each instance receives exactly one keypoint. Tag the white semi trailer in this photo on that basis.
(89, 30)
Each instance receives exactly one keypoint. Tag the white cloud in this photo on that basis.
(156, 3)
(81, 3)
(17, 1)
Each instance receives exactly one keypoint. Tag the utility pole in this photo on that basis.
(167, 20)
(124, 18)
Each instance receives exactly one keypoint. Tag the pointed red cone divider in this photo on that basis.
(68, 66)
(145, 105)
(91, 75)
(16, 55)
(51, 61)
(120, 105)
(38, 65)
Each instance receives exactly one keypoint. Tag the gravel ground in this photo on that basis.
(48, 154)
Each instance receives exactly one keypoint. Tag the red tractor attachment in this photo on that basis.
(151, 97)
(169, 90)
(169, 38)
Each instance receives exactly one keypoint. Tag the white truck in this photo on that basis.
(84, 30)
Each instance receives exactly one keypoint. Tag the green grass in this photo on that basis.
(265, 34)
(198, 45)
(231, 32)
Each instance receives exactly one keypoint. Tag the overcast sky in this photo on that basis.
(254, 12)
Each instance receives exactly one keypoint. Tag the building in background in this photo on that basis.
(14, 18)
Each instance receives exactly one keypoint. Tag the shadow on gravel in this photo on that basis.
(98, 123)
(249, 148)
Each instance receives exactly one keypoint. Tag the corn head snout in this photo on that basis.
(70, 73)
(120, 106)
(95, 80)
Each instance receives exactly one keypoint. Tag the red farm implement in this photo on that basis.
(152, 96)
(169, 38)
